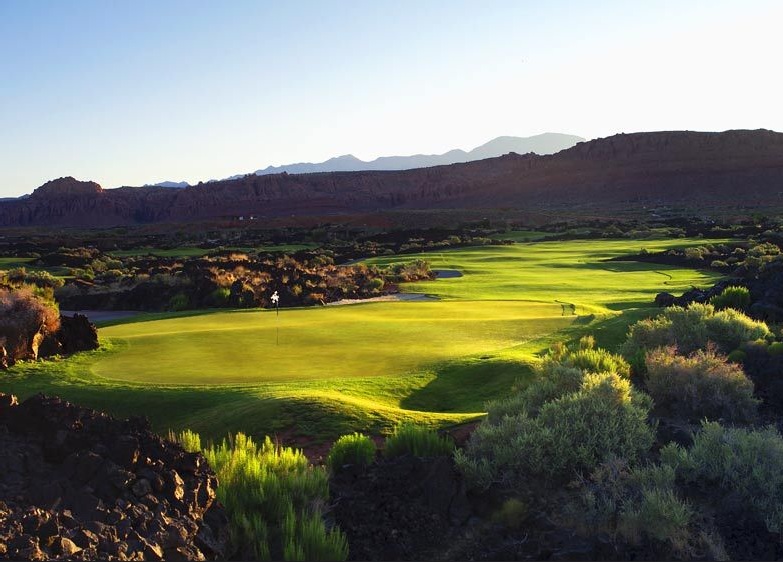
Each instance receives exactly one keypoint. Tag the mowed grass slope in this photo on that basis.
(374, 339)
(367, 366)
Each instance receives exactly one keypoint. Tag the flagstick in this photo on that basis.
(276, 301)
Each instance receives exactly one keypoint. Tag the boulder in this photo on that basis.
(663, 300)
(76, 483)
(77, 333)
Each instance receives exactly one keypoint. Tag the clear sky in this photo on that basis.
(134, 92)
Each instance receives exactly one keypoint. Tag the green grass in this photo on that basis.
(521, 235)
(367, 367)
(8, 263)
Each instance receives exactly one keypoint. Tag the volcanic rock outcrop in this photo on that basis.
(685, 169)
(79, 484)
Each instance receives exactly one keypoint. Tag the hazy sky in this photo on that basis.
(134, 92)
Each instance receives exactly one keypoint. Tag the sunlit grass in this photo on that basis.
(367, 367)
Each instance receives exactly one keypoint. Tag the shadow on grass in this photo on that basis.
(150, 316)
(466, 386)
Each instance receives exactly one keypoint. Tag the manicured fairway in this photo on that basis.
(387, 338)
(367, 366)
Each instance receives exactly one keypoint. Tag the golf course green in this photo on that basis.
(327, 370)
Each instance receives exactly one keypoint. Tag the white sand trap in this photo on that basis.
(386, 298)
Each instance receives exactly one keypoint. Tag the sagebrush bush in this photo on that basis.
(554, 380)
(636, 503)
(588, 358)
(702, 385)
(748, 462)
(353, 449)
(574, 433)
(512, 514)
(417, 440)
(24, 319)
(273, 498)
(734, 297)
(179, 302)
(189, 440)
(20, 277)
(694, 328)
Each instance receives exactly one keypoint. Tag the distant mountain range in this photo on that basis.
(174, 184)
(737, 172)
(546, 143)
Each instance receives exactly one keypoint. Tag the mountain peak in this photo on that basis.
(546, 143)
(67, 187)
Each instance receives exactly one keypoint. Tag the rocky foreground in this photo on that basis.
(79, 484)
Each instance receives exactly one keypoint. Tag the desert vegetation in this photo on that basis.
(585, 397)
(25, 320)
(274, 499)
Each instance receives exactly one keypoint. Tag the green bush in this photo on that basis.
(775, 348)
(554, 380)
(375, 285)
(273, 498)
(694, 328)
(562, 371)
(512, 514)
(575, 432)
(42, 279)
(737, 298)
(637, 503)
(355, 449)
(586, 357)
(703, 385)
(748, 462)
(220, 296)
(189, 440)
(737, 356)
(420, 441)
(179, 302)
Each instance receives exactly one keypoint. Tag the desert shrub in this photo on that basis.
(635, 504)
(588, 358)
(554, 380)
(694, 328)
(273, 499)
(220, 296)
(736, 356)
(597, 361)
(354, 449)
(748, 462)
(737, 298)
(562, 371)
(417, 440)
(512, 514)
(375, 285)
(188, 440)
(24, 319)
(702, 385)
(42, 279)
(572, 433)
(179, 302)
